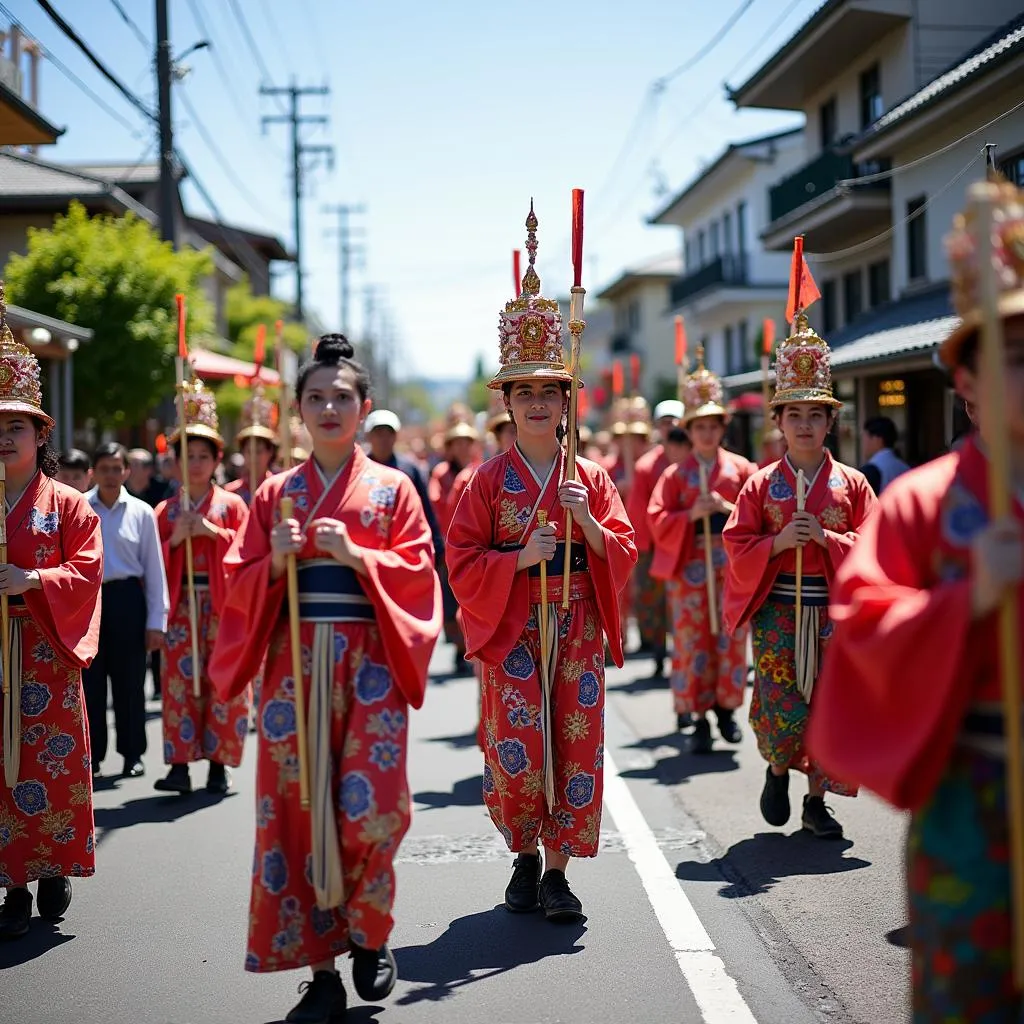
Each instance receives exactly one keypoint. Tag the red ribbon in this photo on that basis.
(182, 344)
(577, 237)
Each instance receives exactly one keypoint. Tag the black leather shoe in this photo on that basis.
(219, 779)
(15, 914)
(521, 892)
(818, 819)
(557, 898)
(133, 769)
(374, 972)
(701, 740)
(775, 798)
(683, 720)
(323, 1000)
(53, 897)
(177, 780)
(727, 727)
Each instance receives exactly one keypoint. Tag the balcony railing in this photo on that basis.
(729, 269)
(816, 179)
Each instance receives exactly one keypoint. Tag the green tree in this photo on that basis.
(115, 276)
(478, 395)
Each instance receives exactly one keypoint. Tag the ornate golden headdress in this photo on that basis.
(200, 414)
(632, 416)
(530, 328)
(258, 418)
(1007, 254)
(20, 390)
(803, 368)
(703, 394)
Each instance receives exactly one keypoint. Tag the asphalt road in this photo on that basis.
(697, 911)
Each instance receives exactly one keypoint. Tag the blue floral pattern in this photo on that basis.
(35, 698)
(373, 682)
(778, 487)
(278, 720)
(356, 795)
(579, 790)
(512, 484)
(518, 664)
(589, 690)
(274, 876)
(512, 756)
(30, 797)
(44, 522)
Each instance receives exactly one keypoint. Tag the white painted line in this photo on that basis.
(703, 970)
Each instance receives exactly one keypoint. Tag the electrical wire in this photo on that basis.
(254, 49)
(709, 45)
(136, 31)
(276, 32)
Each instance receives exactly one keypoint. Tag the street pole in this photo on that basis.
(348, 252)
(168, 186)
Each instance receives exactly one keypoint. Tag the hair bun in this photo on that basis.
(332, 347)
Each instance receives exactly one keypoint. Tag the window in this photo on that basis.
(727, 233)
(742, 355)
(917, 241)
(730, 365)
(714, 240)
(828, 307)
(1013, 169)
(828, 122)
(853, 295)
(878, 283)
(700, 248)
(741, 228)
(870, 96)
(688, 256)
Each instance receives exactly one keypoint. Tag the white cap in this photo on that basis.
(382, 418)
(670, 407)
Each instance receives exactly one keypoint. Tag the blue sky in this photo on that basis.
(446, 117)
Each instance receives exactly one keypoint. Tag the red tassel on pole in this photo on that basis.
(582, 403)
(634, 372)
(680, 341)
(182, 344)
(617, 382)
(577, 237)
(261, 347)
(768, 335)
(517, 277)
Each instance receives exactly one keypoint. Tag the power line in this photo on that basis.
(136, 31)
(253, 48)
(276, 32)
(710, 44)
(325, 64)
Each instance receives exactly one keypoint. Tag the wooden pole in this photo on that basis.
(993, 363)
(5, 618)
(186, 505)
(295, 636)
(801, 500)
(576, 328)
(542, 521)
(709, 557)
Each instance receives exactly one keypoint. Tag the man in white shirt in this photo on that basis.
(878, 440)
(135, 608)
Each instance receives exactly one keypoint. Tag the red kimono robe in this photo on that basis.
(706, 669)
(439, 488)
(241, 486)
(649, 604)
(909, 705)
(529, 739)
(376, 666)
(760, 589)
(205, 726)
(46, 823)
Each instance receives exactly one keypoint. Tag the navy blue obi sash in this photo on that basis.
(813, 590)
(330, 592)
(717, 521)
(201, 580)
(556, 564)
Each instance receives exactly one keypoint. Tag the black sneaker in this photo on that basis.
(374, 972)
(557, 898)
(727, 727)
(684, 720)
(818, 819)
(775, 798)
(219, 779)
(521, 891)
(53, 897)
(177, 780)
(15, 914)
(701, 741)
(323, 1000)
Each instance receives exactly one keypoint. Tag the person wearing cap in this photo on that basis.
(649, 598)
(198, 727)
(764, 532)
(51, 578)
(543, 706)
(258, 444)
(910, 701)
(709, 667)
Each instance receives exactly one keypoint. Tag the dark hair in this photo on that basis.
(884, 428)
(967, 356)
(213, 446)
(111, 450)
(48, 459)
(832, 410)
(334, 350)
(75, 458)
(678, 435)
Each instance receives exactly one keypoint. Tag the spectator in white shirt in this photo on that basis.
(878, 441)
(134, 616)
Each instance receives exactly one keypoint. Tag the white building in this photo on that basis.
(730, 283)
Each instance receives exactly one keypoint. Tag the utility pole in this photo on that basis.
(349, 253)
(299, 150)
(163, 82)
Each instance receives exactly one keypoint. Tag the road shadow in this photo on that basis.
(899, 937)
(42, 937)
(640, 684)
(465, 793)
(752, 866)
(361, 1014)
(481, 946)
(683, 765)
(463, 742)
(152, 810)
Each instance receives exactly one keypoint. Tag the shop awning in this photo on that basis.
(214, 366)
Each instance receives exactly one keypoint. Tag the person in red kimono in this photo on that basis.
(257, 442)
(369, 609)
(709, 667)
(909, 703)
(543, 667)
(650, 604)
(198, 726)
(765, 532)
(52, 580)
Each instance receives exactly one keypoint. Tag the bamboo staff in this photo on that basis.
(292, 571)
(286, 373)
(709, 556)
(5, 616)
(256, 387)
(185, 501)
(542, 521)
(576, 327)
(993, 363)
(801, 500)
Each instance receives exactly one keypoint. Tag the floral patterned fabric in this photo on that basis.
(649, 604)
(778, 712)
(958, 879)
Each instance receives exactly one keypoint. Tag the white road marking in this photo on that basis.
(704, 971)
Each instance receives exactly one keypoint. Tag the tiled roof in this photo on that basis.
(122, 174)
(1001, 45)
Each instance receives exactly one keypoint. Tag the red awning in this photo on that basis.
(214, 366)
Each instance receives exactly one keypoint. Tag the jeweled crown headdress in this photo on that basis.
(803, 368)
(20, 390)
(703, 394)
(200, 414)
(258, 417)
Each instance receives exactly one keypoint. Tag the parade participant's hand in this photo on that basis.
(703, 506)
(795, 534)
(182, 528)
(997, 566)
(202, 527)
(331, 537)
(720, 504)
(285, 539)
(815, 531)
(16, 581)
(575, 497)
(154, 639)
(539, 548)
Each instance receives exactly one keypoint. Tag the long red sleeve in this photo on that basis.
(752, 571)
(671, 527)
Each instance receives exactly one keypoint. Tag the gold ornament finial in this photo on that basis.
(531, 281)
(6, 335)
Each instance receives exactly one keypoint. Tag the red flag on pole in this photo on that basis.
(517, 277)
(768, 333)
(803, 292)
(680, 341)
(634, 372)
(617, 382)
(582, 403)
(577, 237)
(261, 347)
(182, 344)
